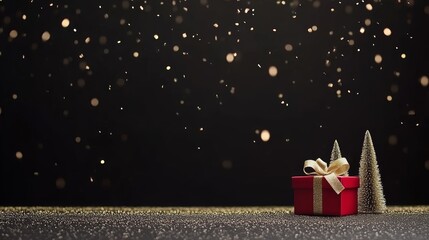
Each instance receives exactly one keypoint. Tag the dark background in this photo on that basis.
(190, 135)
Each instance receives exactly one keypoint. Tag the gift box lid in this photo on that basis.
(307, 182)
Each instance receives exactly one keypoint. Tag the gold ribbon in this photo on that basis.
(321, 170)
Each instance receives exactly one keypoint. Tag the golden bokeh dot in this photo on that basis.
(426, 9)
(60, 183)
(77, 139)
(288, 47)
(102, 162)
(178, 19)
(367, 22)
(378, 58)
(387, 31)
(229, 57)
(94, 102)
(368, 7)
(46, 36)
(136, 54)
(424, 81)
(227, 164)
(272, 71)
(176, 48)
(403, 55)
(120, 82)
(265, 135)
(81, 82)
(19, 155)
(389, 98)
(102, 40)
(392, 140)
(316, 4)
(394, 88)
(13, 34)
(65, 22)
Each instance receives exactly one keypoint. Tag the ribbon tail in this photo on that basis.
(335, 183)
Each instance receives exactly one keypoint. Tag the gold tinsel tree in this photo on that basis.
(371, 197)
(336, 153)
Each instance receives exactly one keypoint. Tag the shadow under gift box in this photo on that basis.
(333, 204)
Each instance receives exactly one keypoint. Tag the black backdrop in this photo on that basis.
(135, 103)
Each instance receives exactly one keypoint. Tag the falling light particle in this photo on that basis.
(330, 85)
(13, 34)
(65, 23)
(94, 102)
(403, 56)
(184, 35)
(14, 96)
(227, 164)
(102, 162)
(389, 98)
(168, 68)
(367, 22)
(387, 31)
(368, 7)
(46, 36)
(136, 54)
(77, 139)
(378, 58)
(175, 48)
(424, 81)
(314, 28)
(288, 47)
(60, 183)
(272, 71)
(392, 140)
(179, 19)
(230, 57)
(156, 36)
(265, 135)
(19, 155)
(362, 30)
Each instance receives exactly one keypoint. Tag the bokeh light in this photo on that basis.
(265, 135)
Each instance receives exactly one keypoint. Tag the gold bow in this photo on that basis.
(336, 168)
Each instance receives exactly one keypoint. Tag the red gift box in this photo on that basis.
(307, 199)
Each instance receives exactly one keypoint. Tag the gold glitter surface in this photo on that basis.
(400, 222)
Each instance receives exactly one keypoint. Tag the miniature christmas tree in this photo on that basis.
(371, 197)
(336, 153)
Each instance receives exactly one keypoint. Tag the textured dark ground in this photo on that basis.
(207, 223)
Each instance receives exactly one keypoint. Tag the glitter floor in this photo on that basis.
(207, 223)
